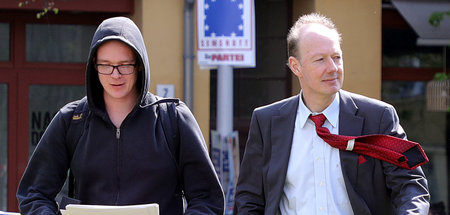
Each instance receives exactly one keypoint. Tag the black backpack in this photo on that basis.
(166, 114)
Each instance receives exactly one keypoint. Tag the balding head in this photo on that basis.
(295, 34)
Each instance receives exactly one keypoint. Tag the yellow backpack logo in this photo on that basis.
(77, 117)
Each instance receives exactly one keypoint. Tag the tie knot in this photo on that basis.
(318, 119)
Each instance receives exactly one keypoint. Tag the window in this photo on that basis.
(4, 42)
(407, 68)
(58, 43)
(400, 50)
(3, 146)
(44, 103)
(423, 126)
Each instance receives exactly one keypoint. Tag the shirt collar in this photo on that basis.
(331, 112)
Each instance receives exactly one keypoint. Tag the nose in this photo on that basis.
(115, 73)
(332, 65)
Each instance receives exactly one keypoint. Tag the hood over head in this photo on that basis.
(122, 29)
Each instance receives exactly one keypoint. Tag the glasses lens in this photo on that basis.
(104, 69)
(126, 69)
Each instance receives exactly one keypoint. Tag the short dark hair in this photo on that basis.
(293, 37)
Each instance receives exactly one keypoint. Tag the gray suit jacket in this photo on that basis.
(374, 187)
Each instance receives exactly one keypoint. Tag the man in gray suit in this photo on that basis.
(288, 169)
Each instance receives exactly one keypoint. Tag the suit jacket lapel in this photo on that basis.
(350, 125)
(282, 130)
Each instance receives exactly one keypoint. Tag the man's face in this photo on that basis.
(320, 68)
(117, 86)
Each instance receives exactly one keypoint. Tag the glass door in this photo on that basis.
(4, 59)
(407, 69)
(44, 103)
(3, 146)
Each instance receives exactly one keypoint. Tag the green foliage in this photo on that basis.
(437, 17)
(435, 20)
(45, 10)
(440, 76)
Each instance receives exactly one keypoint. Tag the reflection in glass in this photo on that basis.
(45, 101)
(400, 50)
(413, 60)
(58, 43)
(423, 126)
(4, 42)
(3, 146)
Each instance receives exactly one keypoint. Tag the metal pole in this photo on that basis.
(447, 144)
(225, 100)
(444, 53)
(188, 55)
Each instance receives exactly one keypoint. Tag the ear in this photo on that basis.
(295, 66)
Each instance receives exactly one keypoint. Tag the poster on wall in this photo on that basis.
(226, 33)
(225, 158)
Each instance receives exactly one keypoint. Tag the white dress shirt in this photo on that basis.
(314, 181)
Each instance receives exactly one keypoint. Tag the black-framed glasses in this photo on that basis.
(107, 69)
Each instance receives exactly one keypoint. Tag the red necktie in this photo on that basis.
(400, 152)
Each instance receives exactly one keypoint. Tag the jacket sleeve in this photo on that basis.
(409, 188)
(250, 187)
(201, 185)
(46, 171)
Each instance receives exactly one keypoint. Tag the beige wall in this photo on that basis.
(161, 23)
(359, 22)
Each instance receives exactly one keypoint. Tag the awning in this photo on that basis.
(417, 14)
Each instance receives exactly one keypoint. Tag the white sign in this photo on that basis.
(226, 33)
(165, 90)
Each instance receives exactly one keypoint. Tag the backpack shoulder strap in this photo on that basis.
(75, 130)
(169, 120)
(76, 125)
(167, 114)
